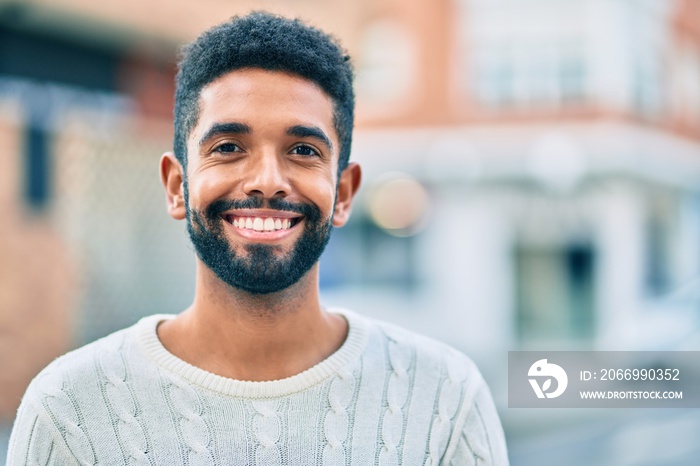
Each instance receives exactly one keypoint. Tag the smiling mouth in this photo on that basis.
(262, 223)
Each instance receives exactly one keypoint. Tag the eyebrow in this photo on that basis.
(300, 131)
(314, 132)
(224, 128)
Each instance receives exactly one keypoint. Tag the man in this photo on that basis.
(256, 371)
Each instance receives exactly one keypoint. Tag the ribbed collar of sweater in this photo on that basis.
(350, 350)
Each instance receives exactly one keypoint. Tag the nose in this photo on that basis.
(266, 176)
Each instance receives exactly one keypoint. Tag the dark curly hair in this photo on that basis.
(271, 42)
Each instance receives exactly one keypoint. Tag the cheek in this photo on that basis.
(321, 192)
(206, 188)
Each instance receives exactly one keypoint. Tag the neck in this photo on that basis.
(239, 335)
(213, 295)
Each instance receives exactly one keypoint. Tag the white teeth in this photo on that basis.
(262, 224)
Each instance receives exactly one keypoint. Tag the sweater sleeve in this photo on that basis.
(35, 442)
(480, 441)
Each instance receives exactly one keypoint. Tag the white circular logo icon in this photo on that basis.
(544, 371)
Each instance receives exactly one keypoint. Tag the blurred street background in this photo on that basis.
(531, 182)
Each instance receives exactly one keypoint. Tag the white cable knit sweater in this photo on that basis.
(387, 396)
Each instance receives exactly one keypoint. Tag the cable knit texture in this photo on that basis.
(386, 397)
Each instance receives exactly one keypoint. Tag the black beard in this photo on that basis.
(262, 271)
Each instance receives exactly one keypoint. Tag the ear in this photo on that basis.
(348, 185)
(171, 175)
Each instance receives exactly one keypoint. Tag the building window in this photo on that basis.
(659, 247)
(572, 77)
(495, 79)
(37, 171)
(530, 75)
(386, 67)
(555, 293)
(647, 88)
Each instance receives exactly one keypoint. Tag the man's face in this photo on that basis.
(261, 178)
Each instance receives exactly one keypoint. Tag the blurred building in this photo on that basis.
(559, 143)
(531, 171)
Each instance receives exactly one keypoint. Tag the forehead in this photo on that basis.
(264, 99)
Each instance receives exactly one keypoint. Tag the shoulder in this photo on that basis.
(78, 364)
(79, 370)
(446, 393)
(437, 375)
(425, 353)
(74, 402)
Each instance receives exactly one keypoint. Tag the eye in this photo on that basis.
(227, 148)
(305, 151)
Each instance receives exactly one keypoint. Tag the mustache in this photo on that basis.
(216, 208)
